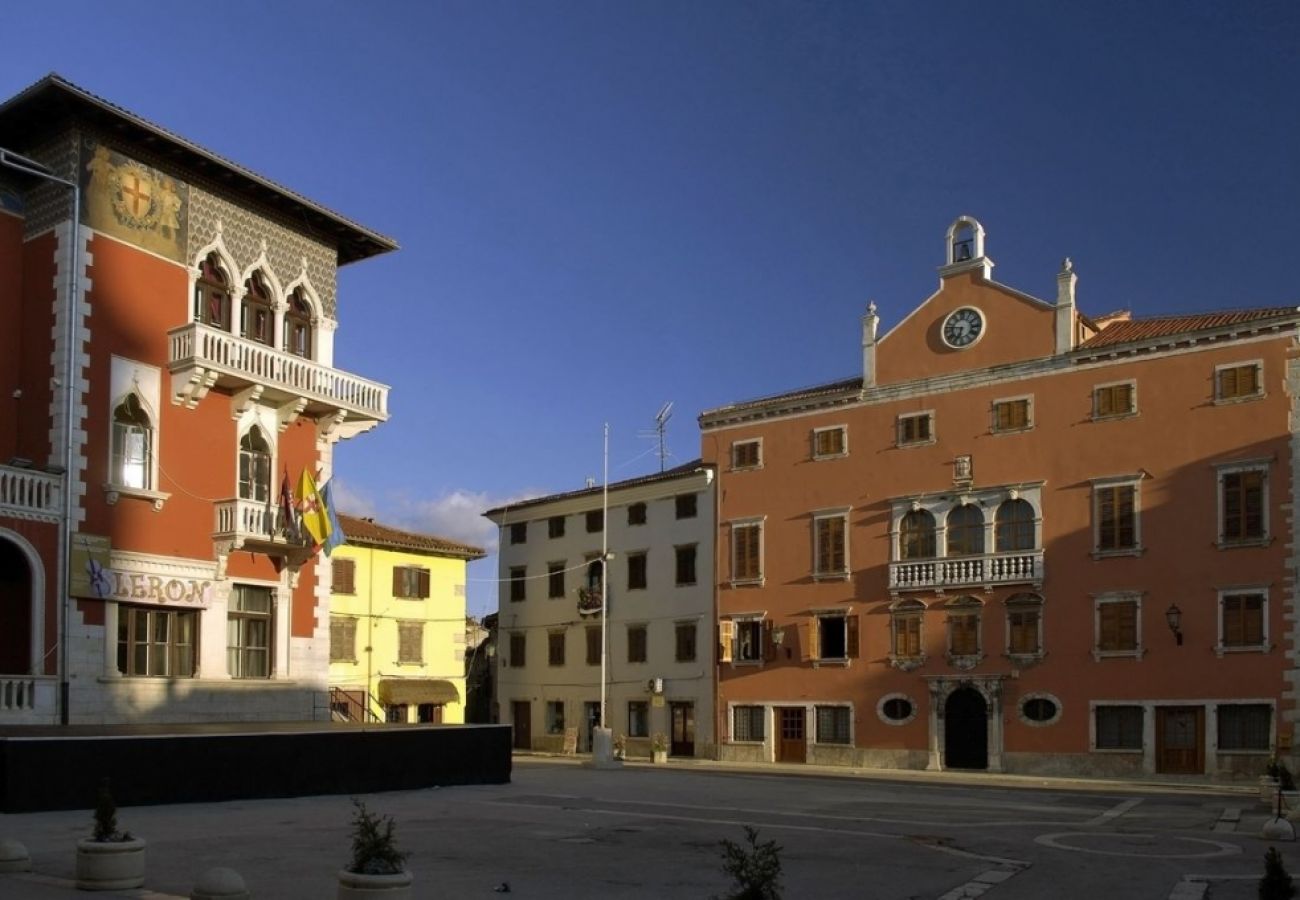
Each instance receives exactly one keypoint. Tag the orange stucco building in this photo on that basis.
(1024, 540)
(146, 571)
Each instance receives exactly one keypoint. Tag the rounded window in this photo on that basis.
(896, 709)
(1040, 709)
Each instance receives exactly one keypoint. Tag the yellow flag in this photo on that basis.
(311, 507)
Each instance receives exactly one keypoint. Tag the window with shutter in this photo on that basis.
(410, 642)
(830, 554)
(1117, 626)
(1243, 621)
(915, 429)
(964, 627)
(828, 442)
(1011, 415)
(1242, 506)
(905, 628)
(1024, 619)
(1113, 400)
(345, 573)
(343, 639)
(1116, 517)
(1238, 382)
(746, 548)
(726, 633)
(555, 648)
(745, 454)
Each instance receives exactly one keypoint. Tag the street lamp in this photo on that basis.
(19, 163)
(1174, 617)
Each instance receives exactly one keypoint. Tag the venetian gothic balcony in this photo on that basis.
(30, 494)
(985, 570)
(201, 357)
(258, 526)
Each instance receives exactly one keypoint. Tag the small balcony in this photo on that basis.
(256, 525)
(201, 357)
(1018, 567)
(30, 494)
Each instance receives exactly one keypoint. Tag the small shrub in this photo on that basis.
(374, 849)
(1276, 883)
(106, 816)
(755, 870)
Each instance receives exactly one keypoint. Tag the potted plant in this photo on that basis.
(659, 748)
(620, 747)
(377, 866)
(109, 860)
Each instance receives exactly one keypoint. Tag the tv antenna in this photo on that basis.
(660, 430)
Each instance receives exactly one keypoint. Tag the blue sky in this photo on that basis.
(605, 206)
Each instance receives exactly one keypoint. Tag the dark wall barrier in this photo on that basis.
(63, 772)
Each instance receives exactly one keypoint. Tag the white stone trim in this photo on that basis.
(897, 723)
(1245, 465)
(1221, 649)
(745, 442)
(1039, 695)
(1110, 597)
(844, 440)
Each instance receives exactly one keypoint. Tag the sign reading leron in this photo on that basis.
(154, 589)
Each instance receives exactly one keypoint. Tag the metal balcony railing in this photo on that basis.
(218, 357)
(29, 494)
(1017, 567)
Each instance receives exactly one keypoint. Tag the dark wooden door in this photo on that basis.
(1180, 740)
(682, 741)
(16, 611)
(791, 735)
(521, 717)
(965, 730)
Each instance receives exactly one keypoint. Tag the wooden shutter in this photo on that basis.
(815, 638)
(424, 583)
(851, 637)
(769, 647)
(726, 631)
(399, 582)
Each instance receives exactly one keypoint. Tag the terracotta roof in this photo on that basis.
(667, 475)
(1165, 326)
(369, 533)
(807, 393)
(31, 114)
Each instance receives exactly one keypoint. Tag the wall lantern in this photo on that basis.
(1174, 616)
(778, 635)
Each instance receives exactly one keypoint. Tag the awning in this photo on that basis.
(413, 691)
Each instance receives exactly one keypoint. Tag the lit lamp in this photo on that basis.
(1174, 616)
(778, 635)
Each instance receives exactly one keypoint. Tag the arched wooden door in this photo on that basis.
(15, 611)
(966, 730)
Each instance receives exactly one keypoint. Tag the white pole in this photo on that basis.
(604, 579)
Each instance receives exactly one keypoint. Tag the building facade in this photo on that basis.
(167, 368)
(655, 652)
(397, 625)
(1022, 540)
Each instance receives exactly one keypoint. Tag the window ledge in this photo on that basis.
(837, 663)
(1133, 414)
(831, 576)
(1248, 542)
(409, 664)
(827, 456)
(965, 661)
(736, 663)
(1222, 650)
(996, 431)
(903, 445)
(746, 468)
(1099, 655)
(907, 663)
(1229, 401)
(1136, 751)
(747, 582)
(1110, 554)
(114, 492)
(1025, 660)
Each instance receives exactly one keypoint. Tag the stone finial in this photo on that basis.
(1067, 265)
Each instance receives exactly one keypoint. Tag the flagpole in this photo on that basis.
(604, 579)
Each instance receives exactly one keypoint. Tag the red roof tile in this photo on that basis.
(1165, 326)
(367, 532)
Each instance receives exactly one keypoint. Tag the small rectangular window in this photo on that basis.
(828, 442)
(555, 717)
(1243, 620)
(518, 532)
(915, 429)
(746, 548)
(410, 582)
(593, 645)
(636, 643)
(835, 637)
(745, 455)
(1117, 626)
(747, 723)
(636, 514)
(685, 642)
(595, 521)
(555, 648)
(1119, 727)
(636, 571)
(343, 639)
(638, 718)
(555, 580)
(1238, 382)
(1245, 726)
(685, 565)
(555, 527)
(518, 584)
(1113, 400)
(1116, 517)
(830, 555)
(1242, 502)
(1011, 415)
(833, 725)
(345, 574)
(686, 506)
(518, 650)
(748, 640)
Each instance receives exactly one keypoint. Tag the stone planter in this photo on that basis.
(358, 886)
(659, 756)
(110, 865)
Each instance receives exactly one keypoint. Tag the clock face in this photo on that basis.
(963, 327)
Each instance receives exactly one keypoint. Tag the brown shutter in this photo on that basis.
(851, 637)
(398, 585)
(769, 647)
(424, 582)
(726, 632)
(814, 638)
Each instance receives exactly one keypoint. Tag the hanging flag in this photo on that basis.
(311, 508)
(288, 521)
(336, 535)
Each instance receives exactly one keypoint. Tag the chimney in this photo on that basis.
(1066, 315)
(869, 324)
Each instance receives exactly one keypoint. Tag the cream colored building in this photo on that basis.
(397, 625)
(659, 643)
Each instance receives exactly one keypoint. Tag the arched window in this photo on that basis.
(254, 466)
(1015, 529)
(132, 445)
(297, 326)
(916, 536)
(212, 294)
(258, 318)
(965, 531)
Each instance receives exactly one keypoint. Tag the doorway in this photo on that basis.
(1180, 740)
(521, 717)
(591, 719)
(15, 611)
(791, 735)
(682, 740)
(966, 730)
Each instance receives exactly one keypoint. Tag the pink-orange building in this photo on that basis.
(166, 364)
(1024, 539)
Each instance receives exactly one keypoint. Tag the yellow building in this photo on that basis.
(397, 625)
